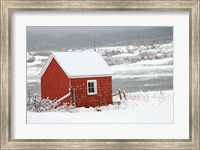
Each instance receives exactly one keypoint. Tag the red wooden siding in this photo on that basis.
(54, 82)
(103, 96)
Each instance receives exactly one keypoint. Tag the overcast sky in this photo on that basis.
(81, 29)
(70, 37)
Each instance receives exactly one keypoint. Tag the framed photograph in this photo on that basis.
(100, 74)
(97, 83)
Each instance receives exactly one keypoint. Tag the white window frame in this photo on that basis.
(95, 87)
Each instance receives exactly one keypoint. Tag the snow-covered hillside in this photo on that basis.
(130, 54)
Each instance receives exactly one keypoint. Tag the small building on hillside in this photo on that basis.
(85, 76)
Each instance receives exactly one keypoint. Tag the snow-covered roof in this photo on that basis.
(82, 63)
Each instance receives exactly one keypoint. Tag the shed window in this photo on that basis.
(91, 87)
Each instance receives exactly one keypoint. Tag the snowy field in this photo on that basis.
(140, 107)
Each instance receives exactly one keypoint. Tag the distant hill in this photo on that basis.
(64, 38)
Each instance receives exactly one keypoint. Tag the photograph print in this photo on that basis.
(100, 74)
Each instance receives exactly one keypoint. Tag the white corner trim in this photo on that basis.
(46, 65)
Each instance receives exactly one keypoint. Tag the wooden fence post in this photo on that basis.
(124, 95)
(120, 96)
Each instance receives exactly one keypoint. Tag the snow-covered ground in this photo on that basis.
(140, 107)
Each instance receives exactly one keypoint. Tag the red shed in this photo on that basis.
(85, 76)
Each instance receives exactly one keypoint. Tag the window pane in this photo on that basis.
(92, 84)
(89, 90)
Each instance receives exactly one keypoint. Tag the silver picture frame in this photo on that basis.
(8, 7)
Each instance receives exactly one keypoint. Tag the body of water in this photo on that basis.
(141, 83)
